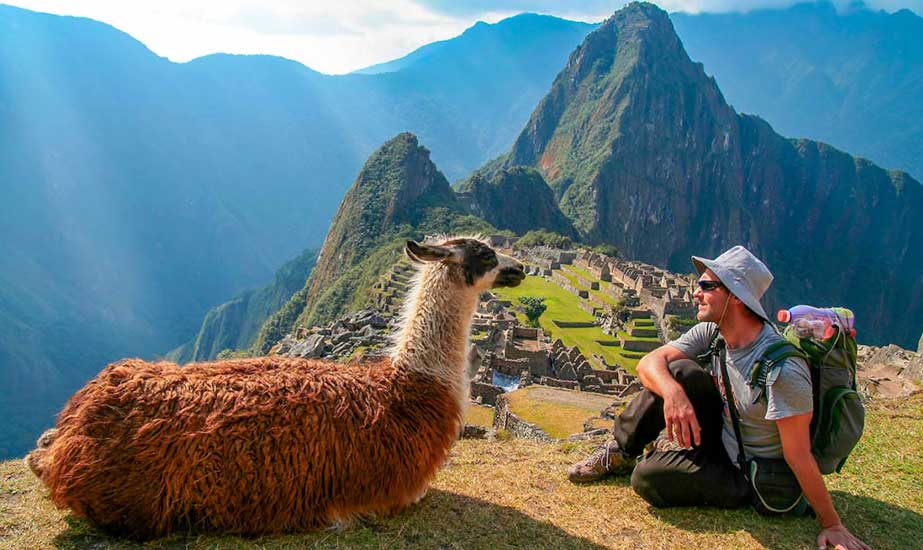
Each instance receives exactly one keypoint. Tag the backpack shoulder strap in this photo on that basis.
(775, 354)
(710, 355)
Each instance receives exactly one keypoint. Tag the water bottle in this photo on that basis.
(830, 318)
(811, 328)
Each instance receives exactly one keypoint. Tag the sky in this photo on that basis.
(340, 36)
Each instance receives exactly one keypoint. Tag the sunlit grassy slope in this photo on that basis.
(562, 306)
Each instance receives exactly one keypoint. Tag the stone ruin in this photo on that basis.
(389, 291)
(571, 369)
(889, 372)
(341, 339)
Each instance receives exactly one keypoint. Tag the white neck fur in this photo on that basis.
(436, 326)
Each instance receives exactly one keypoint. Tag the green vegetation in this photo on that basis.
(235, 354)
(516, 198)
(562, 306)
(398, 195)
(534, 307)
(558, 412)
(541, 237)
(606, 249)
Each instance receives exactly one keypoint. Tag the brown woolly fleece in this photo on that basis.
(249, 446)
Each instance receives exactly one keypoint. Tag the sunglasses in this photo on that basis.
(708, 286)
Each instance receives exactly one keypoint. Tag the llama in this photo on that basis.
(276, 444)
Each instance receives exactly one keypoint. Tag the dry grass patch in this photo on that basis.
(479, 415)
(558, 412)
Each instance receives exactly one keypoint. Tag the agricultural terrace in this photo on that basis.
(562, 306)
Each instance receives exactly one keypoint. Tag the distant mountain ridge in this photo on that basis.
(849, 78)
(235, 324)
(645, 154)
(522, 32)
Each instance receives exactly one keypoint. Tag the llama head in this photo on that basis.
(470, 262)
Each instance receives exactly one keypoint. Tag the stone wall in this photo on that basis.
(509, 367)
(504, 419)
(563, 282)
(573, 324)
(558, 383)
(485, 393)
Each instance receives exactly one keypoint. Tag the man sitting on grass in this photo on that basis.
(685, 399)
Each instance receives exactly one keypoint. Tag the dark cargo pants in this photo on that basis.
(702, 475)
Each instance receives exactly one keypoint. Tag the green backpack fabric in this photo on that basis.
(839, 416)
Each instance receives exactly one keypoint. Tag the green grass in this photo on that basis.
(580, 271)
(563, 306)
(604, 292)
(639, 338)
(515, 494)
(573, 280)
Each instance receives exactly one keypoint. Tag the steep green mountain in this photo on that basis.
(646, 155)
(137, 193)
(851, 78)
(398, 194)
(235, 324)
(517, 199)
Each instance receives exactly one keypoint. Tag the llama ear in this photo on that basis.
(426, 253)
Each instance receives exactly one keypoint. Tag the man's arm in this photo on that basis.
(796, 448)
(677, 410)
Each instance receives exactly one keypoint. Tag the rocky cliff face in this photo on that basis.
(644, 153)
(517, 199)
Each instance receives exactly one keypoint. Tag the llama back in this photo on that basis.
(257, 445)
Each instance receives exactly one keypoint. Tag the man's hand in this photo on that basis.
(838, 538)
(680, 418)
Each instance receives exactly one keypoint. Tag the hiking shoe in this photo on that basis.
(609, 459)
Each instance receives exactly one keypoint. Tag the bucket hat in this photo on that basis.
(744, 275)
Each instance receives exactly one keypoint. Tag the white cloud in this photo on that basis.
(334, 37)
(344, 35)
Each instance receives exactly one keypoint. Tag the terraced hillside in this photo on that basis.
(599, 314)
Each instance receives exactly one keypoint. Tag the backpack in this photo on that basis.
(839, 416)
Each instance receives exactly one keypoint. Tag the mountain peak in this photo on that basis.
(626, 79)
(397, 174)
(398, 191)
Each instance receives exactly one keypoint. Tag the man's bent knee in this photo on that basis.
(692, 377)
(645, 481)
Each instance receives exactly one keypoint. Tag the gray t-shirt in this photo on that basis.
(788, 390)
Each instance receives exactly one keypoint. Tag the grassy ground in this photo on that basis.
(514, 494)
(558, 412)
(479, 415)
(562, 305)
(570, 270)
